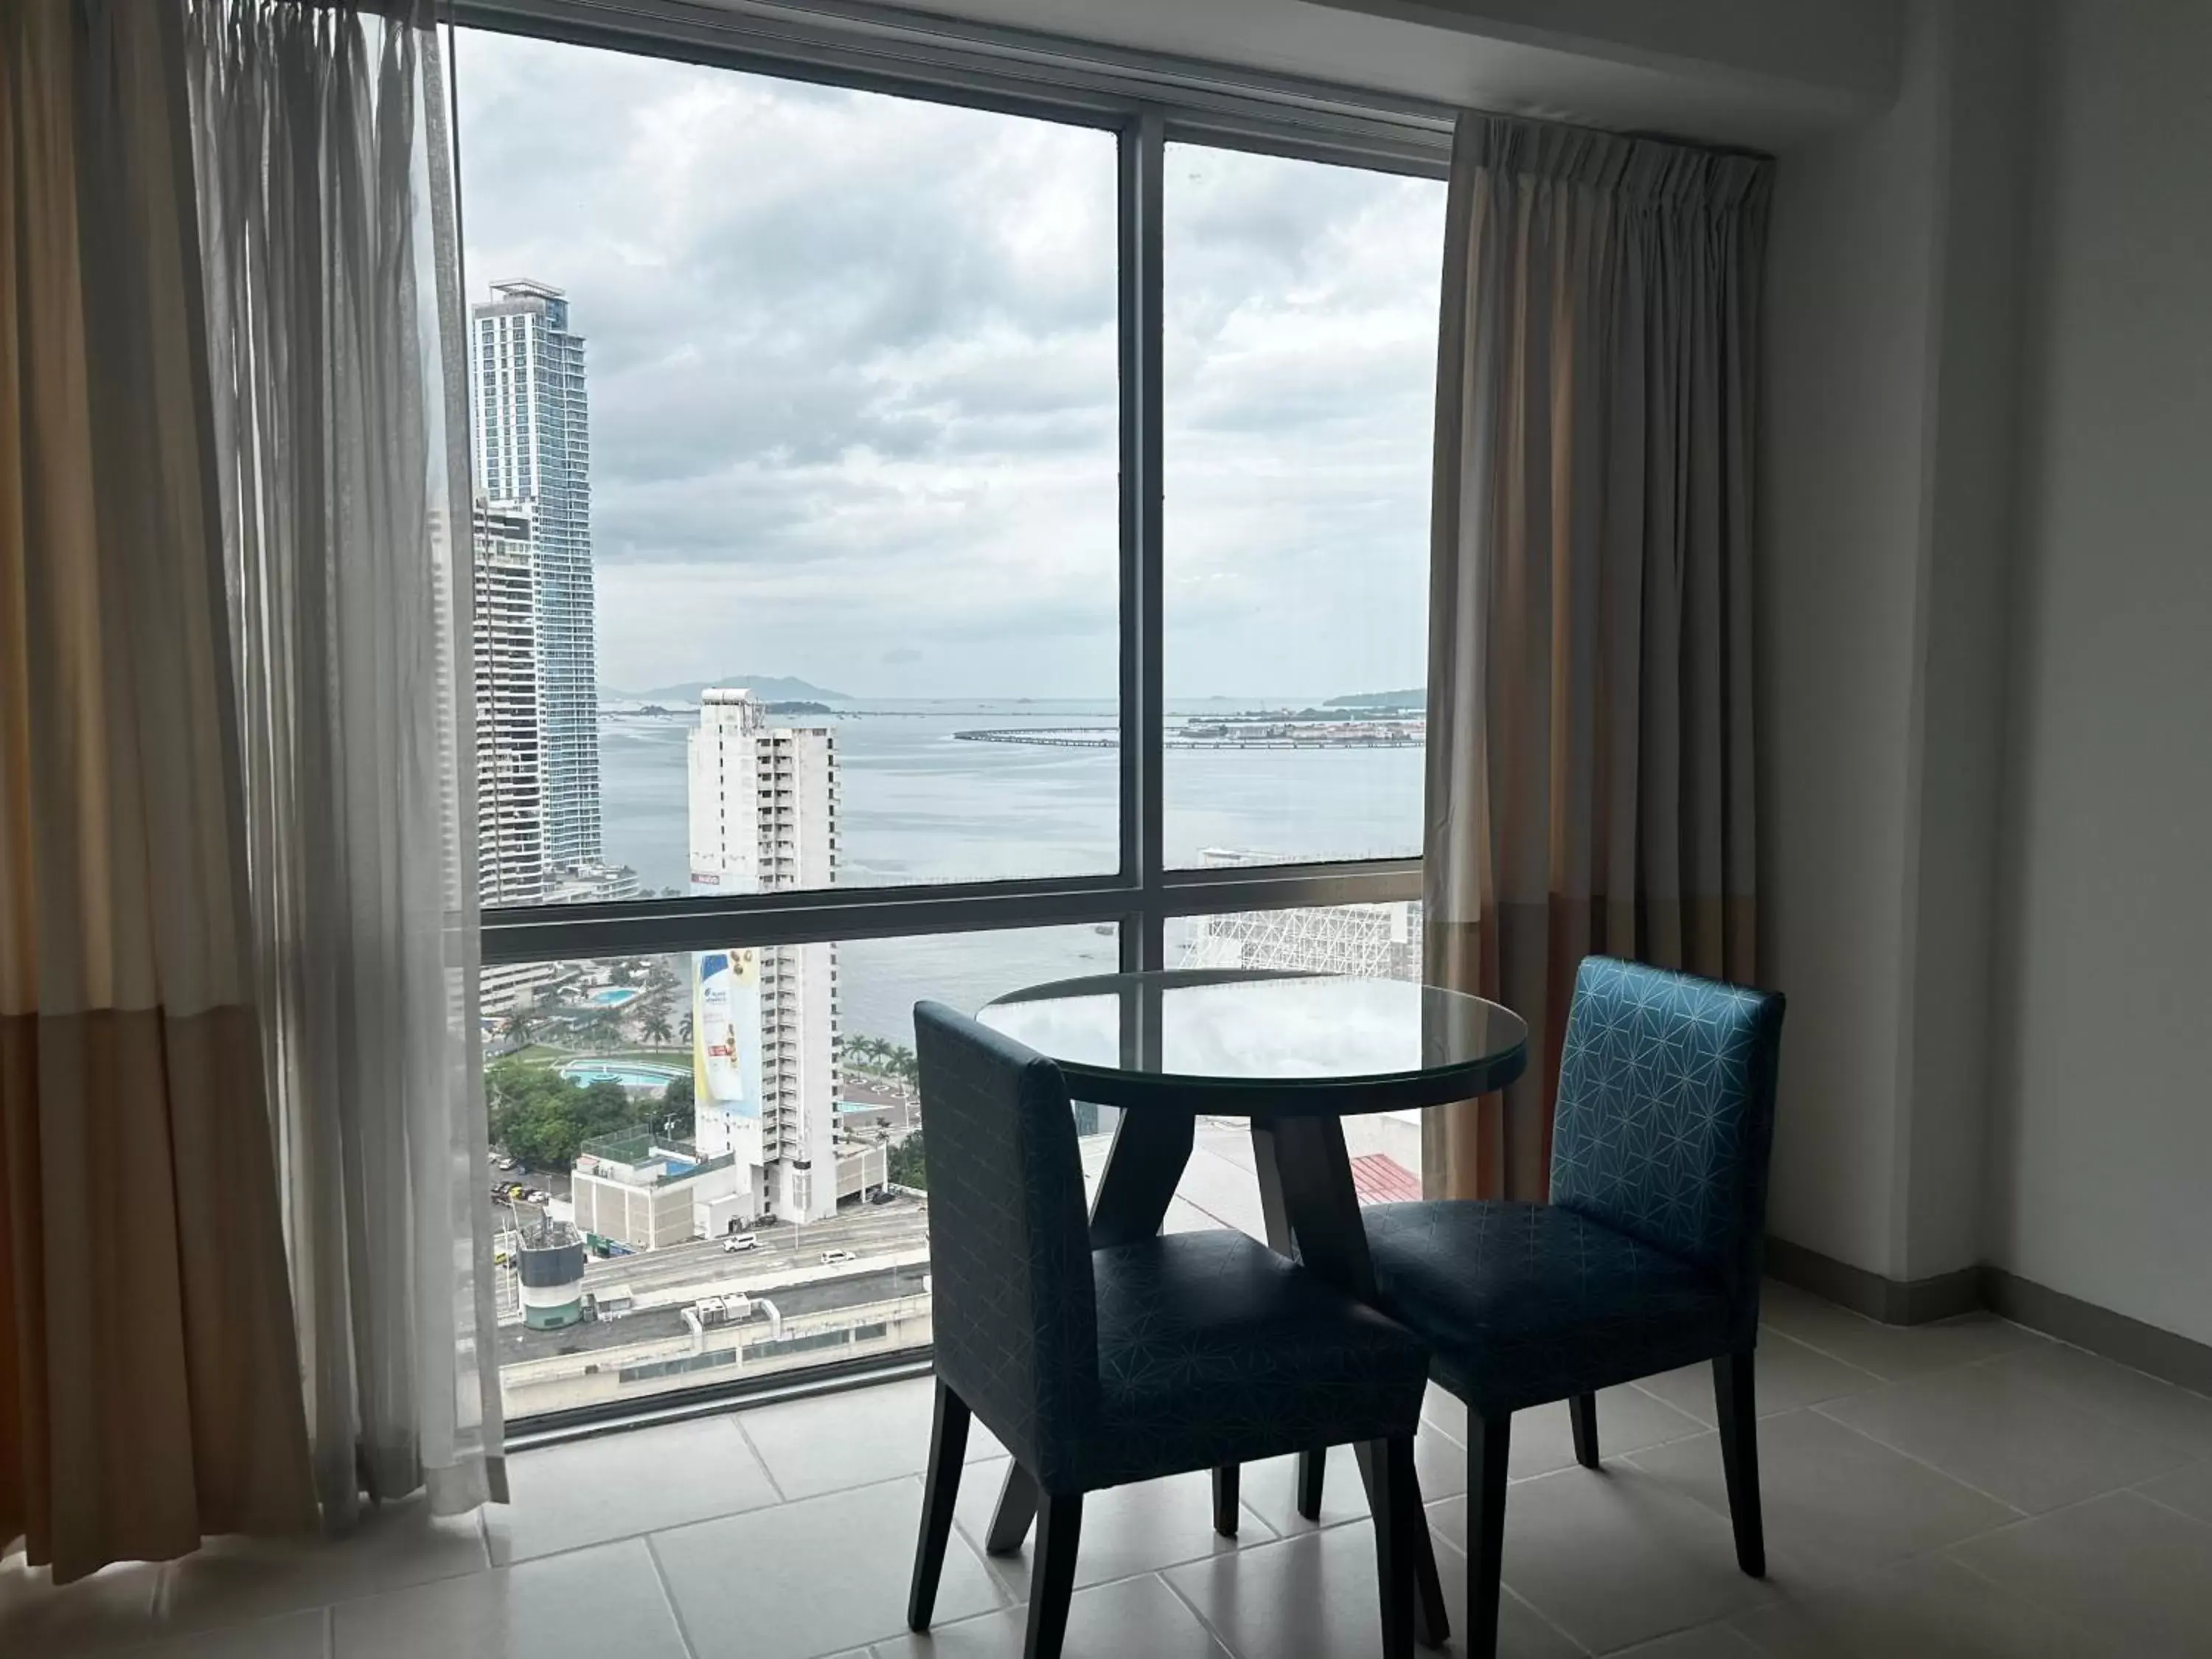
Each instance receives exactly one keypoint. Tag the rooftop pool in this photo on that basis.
(630, 1074)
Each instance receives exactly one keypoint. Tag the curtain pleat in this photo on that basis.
(149, 1383)
(1590, 776)
(327, 220)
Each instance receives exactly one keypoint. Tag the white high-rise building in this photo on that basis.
(763, 804)
(531, 432)
(510, 764)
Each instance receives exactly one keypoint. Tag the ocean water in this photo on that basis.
(918, 805)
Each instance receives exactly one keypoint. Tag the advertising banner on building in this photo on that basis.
(726, 1052)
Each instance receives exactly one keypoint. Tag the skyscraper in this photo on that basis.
(531, 432)
(763, 804)
(510, 769)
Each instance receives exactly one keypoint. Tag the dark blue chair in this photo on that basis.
(1097, 1368)
(1647, 1257)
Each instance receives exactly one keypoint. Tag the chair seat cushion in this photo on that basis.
(1524, 1303)
(1213, 1349)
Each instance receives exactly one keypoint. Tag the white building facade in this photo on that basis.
(763, 811)
(529, 429)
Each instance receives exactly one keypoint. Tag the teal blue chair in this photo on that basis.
(1646, 1259)
(1096, 1368)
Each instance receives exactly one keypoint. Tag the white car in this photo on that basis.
(831, 1258)
(737, 1241)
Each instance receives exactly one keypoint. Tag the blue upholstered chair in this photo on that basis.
(1646, 1258)
(1097, 1368)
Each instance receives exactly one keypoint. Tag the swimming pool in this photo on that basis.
(630, 1074)
(614, 996)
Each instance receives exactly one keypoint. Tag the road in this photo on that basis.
(518, 1344)
(874, 1231)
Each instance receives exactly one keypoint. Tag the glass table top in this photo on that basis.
(1375, 1043)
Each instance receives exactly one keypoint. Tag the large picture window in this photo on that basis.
(930, 539)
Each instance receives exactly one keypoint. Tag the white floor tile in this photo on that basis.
(2179, 1420)
(1890, 1352)
(235, 1580)
(1835, 1503)
(1706, 1642)
(1930, 1609)
(1136, 1618)
(291, 1635)
(1314, 1597)
(1789, 1376)
(2189, 1490)
(1270, 1488)
(854, 1438)
(2119, 1565)
(621, 1486)
(587, 1604)
(2014, 1440)
(1615, 1557)
(813, 1577)
(1126, 1529)
(113, 1606)
(1542, 1441)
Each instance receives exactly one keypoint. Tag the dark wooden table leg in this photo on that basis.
(1152, 1145)
(1274, 1212)
(1315, 1172)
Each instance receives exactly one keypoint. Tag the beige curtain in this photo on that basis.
(149, 1379)
(1590, 743)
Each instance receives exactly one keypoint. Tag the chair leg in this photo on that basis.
(1734, 1403)
(1052, 1575)
(1582, 1411)
(1225, 1500)
(1489, 1440)
(1397, 1513)
(1016, 1508)
(948, 1451)
(1312, 1463)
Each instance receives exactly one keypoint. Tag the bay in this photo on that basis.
(919, 803)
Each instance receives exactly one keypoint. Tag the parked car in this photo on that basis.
(831, 1258)
(507, 1164)
(737, 1241)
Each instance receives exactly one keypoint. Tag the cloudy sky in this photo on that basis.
(852, 380)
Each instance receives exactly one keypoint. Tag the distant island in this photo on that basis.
(1417, 697)
(770, 689)
(799, 708)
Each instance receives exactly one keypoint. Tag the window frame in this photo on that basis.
(1147, 101)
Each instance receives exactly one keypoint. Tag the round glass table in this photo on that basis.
(1291, 1052)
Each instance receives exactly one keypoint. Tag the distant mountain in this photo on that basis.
(768, 688)
(1417, 697)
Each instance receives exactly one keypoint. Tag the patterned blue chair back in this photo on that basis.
(1665, 1115)
(1015, 1312)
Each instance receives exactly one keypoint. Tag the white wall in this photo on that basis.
(2102, 1181)
(1850, 315)
(1891, 388)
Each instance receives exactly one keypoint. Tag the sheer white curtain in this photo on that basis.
(336, 346)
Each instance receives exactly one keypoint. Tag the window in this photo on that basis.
(1300, 326)
(826, 591)
(708, 1166)
(847, 366)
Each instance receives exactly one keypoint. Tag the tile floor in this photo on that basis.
(1966, 1491)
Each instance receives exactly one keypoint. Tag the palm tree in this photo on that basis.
(656, 1027)
(684, 1028)
(518, 1026)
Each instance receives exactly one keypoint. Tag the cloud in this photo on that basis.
(853, 377)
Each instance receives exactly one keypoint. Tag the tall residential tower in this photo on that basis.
(531, 435)
(764, 819)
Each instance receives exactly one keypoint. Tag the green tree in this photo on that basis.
(517, 1026)
(655, 1025)
(906, 1165)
